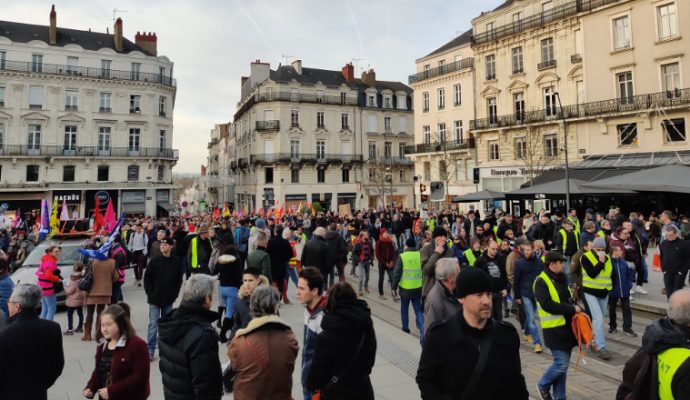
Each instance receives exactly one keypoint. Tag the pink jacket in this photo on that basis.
(46, 274)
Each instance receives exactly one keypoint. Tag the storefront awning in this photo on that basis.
(166, 206)
(478, 196)
(557, 188)
(133, 208)
(667, 178)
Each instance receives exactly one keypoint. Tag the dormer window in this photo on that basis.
(371, 100)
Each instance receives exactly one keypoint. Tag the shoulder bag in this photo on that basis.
(484, 349)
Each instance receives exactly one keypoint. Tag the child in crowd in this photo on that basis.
(623, 277)
(75, 299)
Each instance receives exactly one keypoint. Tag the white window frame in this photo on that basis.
(345, 121)
(294, 118)
(72, 99)
(387, 125)
(136, 71)
(134, 142)
(492, 109)
(459, 132)
(426, 134)
(673, 29)
(520, 148)
(162, 106)
(320, 120)
(106, 68)
(547, 49)
(621, 35)
(517, 60)
(425, 102)
(320, 149)
(551, 145)
(494, 150)
(550, 102)
(135, 103)
(625, 90)
(457, 95)
(678, 83)
(442, 132)
(519, 105)
(34, 139)
(162, 139)
(294, 149)
(70, 143)
(105, 102)
(490, 67)
(104, 139)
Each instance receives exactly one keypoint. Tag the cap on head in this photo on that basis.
(168, 241)
(554, 256)
(260, 223)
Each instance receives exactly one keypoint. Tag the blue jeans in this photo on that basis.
(228, 296)
(48, 306)
(292, 275)
(155, 313)
(418, 315)
(363, 268)
(598, 306)
(645, 268)
(530, 308)
(307, 394)
(556, 374)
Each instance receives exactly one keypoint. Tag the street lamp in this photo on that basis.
(565, 150)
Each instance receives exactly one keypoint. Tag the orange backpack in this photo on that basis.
(582, 329)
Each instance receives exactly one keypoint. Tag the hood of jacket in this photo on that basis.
(332, 236)
(260, 322)
(174, 326)
(348, 316)
(243, 293)
(664, 334)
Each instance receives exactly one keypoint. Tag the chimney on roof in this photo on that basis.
(369, 78)
(349, 72)
(147, 41)
(53, 26)
(297, 65)
(259, 72)
(117, 34)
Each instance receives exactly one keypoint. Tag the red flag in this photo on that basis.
(98, 221)
(261, 212)
(216, 213)
(281, 212)
(270, 212)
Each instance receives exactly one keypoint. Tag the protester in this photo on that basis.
(345, 349)
(162, 282)
(337, 252)
(407, 276)
(48, 277)
(251, 278)
(309, 294)
(440, 304)
(430, 254)
(229, 272)
(316, 253)
(122, 369)
(6, 285)
(75, 300)
(527, 268)
(138, 245)
(596, 285)
(453, 348)
(494, 265)
(386, 255)
(280, 253)
(259, 258)
(199, 253)
(675, 259)
(623, 278)
(363, 257)
(189, 359)
(104, 273)
(30, 348)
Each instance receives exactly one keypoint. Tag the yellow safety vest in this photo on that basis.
(601, 281)
(431, 223)
(601, 234)
(469, 256)
(576, 225)
(564, 235)
(549, 321)
(411, 270)
(194, 260)
(668, 362)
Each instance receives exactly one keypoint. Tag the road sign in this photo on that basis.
(438, 191)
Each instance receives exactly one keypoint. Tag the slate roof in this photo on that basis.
(330, 78)
(24, 33)
(464, 38)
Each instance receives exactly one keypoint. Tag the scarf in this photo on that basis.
(365, 254)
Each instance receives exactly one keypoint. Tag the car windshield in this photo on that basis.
(69, 255)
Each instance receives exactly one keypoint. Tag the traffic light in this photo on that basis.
(422, 187)
(425, 198)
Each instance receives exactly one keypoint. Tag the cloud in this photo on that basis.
(213, 42)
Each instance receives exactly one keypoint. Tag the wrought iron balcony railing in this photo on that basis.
(442, 70)
(539, 20)
(305, 158)
(576, 58)
(396, 161)
(100, 73)
(440, 146)
(272, 125)
(674, 98)
(546, 64)
(12, 150)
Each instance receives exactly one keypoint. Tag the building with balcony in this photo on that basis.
(305, 135)
(220, 180)
(85, 115)
(444, 106)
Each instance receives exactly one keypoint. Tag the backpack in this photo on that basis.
(582, 329)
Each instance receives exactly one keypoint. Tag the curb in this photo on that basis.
(648, 308)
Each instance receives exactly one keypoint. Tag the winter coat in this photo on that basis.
(586, 237)
(496, 269)
(315, 254)
(48, 274)
(439, 305)
(31, 352)
(260, 259)
(593, 271)
(623, 276)
(526, 270)
(189, 359)
(241, 316)
(640, 374)
(6, 287)
(263, 356)
(204, 248)
(129, 371)
(75, 296)
(104, 274)
(229, 269)
(675, 256)
(572, 243)
(312, 329)
(385, 253)
(631, 250)
(560, 338)
(539, 231)
(397, 277)
(337, 347)
(337, 248)
(357, 256)
(429, 258)
(163, 280)
(451, 351)
(279, 252)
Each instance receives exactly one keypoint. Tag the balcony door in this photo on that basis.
(269, 150)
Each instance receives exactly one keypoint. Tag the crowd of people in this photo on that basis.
(463, 274)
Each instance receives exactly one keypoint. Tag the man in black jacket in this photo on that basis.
(543, 231)
(189, 345)
(451, 349)
(494, 265)
(30, 348)
(675, 259)
(162, 282)
(315, 253)
(337, 253)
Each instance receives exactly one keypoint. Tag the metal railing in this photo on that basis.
(440, 146)
(288, 158)
(100, 73)
(539, 20)
(674, 98)
(396, 161)
(576, 58)
(546, 64)
(442, 70)
(12, 150)
(271, 125)
(305, 98)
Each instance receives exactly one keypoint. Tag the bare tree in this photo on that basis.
(380, 175)
(445, 160)
(537, 147)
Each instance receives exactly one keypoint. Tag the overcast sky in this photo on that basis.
(213, 42)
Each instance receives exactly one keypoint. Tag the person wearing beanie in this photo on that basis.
(494, 265)
(259, 226)
(407, 276)
(453, 349)
(430, 253)
(556, 308)
(597, 269)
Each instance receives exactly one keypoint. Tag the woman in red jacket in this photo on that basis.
(386, 255)
(122, 359)
(48, 275)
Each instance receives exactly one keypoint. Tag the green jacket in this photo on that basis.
(260, 259)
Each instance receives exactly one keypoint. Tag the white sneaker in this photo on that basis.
(639, 290)
(632, 297)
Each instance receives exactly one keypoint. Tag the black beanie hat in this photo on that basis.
(438, 231)
(470, 281)
(410, 242)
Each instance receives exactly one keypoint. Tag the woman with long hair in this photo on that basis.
(48, 276)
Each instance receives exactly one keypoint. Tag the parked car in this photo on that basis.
(70, 245)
